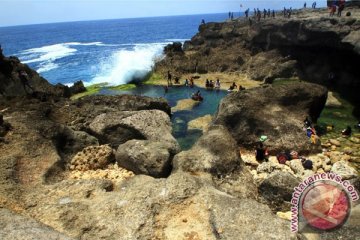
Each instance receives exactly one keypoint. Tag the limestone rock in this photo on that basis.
(215, 152)
(343, 169)
(201, 123)
(117, 128)
(92, 158)
(278, 188)
(335, 142)
(145, 157)
(15, 226)
(184, 104)
(275, 111)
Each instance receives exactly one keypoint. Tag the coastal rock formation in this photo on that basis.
(145, 157)
(275, 111)
(278, 188)
(17, 79)
(15, 226)
(215, 152)
(180, 206)
(92, 158)
(119, 127)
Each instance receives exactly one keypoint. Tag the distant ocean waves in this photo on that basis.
(114, 64)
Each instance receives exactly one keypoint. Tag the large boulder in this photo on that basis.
(275, 111)
(15, 226)
(92, 158)
(343, 169)
(215, 152)
(182, 206)
(145, 157)
(117, 128)
(278, 188)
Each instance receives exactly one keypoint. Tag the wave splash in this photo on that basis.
(127, 65)
(46, 56)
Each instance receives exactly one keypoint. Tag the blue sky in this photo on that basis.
(23, 12)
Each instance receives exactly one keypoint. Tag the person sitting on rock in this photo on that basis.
(346, 132)
(24, 80)
(211, 84)
(202, 21)
(186, 82)
(177, 80)
(261, 153)
(232, 87)
(241, 88)
(191, 82)
(207, 83)
(307, 164)
(307, 122)
(217, 83)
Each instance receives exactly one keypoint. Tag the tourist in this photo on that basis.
(217, 83)
(247, 13)
(261, 153)
(207, 83)
(305, 5)
(186, 82)
(191, 82)
(307, 164)
(273, 13)
(265, 13)
(1, 53)
(232, 87)
(346, 132)
(332, 10)
(202, 21)
(232, 16)
(285, 11)
(307, 122)
(211, 84)
(341, 7)
(241, 88)
(314, 5)
(177, 80)
(24, 80)
(169, 78)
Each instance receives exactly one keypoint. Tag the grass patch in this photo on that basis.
(154, 79)
(90, 90)
(123, 87)
(340, 117)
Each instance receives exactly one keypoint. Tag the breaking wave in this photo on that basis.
(129, 64)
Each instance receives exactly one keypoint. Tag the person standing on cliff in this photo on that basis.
(24, 80)
(341, 7)
(305, 5)
(247, 13)
(273, 13)
(1, 53)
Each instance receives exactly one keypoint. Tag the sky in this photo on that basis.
(24, 12)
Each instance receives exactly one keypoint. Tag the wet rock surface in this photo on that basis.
(277, 112)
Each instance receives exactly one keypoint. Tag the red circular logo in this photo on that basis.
(325, 205)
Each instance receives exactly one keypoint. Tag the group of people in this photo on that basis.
(337, 4)
(211, 85)
(265, 13)
(312, 6)
(262, 154)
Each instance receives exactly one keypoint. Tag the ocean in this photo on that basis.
(112, 51)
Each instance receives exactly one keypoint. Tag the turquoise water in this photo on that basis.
(186, 137)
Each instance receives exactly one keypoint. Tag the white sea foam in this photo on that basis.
(176, 40)
(46, 56)
(126, 65)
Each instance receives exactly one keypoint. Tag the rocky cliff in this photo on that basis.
(310, 46)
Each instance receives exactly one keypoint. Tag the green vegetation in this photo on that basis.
(93, 89)
(154, 79)
(340, 117)
(123, 87)
(90, 90)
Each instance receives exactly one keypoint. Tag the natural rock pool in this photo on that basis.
(187, 112)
